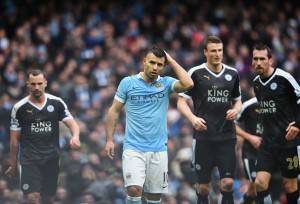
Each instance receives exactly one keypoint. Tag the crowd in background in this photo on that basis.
(86, 48)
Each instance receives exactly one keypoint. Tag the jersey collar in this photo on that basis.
(39, 108)
(270, 78)
(139, 76)
(213, 73)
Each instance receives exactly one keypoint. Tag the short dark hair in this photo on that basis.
(211, 39)
(158, 52)
(261, 46)
(35, 72)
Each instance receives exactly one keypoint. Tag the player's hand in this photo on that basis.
(169, 58)
(199, 124)
(75, 143)
(292, 131)
(255, 141)
(231, 114)
(110, 149)
(11, 171)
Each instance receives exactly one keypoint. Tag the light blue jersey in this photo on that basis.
(146, 106)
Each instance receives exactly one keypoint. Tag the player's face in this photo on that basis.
(261, 62)
(36, 85)
(153, 66)
(214, 53)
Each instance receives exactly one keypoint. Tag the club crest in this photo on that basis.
(228, 77)
(273, 86)
(50, 108)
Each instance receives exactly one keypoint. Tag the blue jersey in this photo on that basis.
(146, 106)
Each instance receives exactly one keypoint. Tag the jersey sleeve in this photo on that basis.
(171, 83)
(296, 90)
(14, 121)
(236, 94)
(64, 113)
(240, 117)
(121, 94)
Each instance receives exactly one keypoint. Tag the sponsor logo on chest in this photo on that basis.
(216, 95)
(268, 106)
(41, 126)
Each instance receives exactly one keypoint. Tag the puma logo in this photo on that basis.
(29, 111)
(207, 77)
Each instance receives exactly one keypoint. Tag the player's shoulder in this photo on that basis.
(53, 98)
(129, 79)
(288, 77)
(21, 103)
(282, 73)
(196, 68)
(165, 79)
(230, 69)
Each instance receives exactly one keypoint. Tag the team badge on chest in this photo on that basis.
(159, 85)
(228, 77)
(50, 108)
(273, 86)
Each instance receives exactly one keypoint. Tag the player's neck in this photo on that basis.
(38, 101)
(147, 79)
(268, 73)
(214, 68)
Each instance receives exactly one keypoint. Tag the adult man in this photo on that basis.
(217, 101)
(278, 95)
(35, 129)
(249, 127)
(145, 97)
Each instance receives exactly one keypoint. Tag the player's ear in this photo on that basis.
(271, 61)
(144, 63)
(205, 52)
(144, 60)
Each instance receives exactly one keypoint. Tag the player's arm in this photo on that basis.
(14, 148)
(185, 82)
(292, 131)
(236, 107)
(74, 128)
(232, 113)
(184, 108)
(253, 139)
(110, 126)
(293, 128)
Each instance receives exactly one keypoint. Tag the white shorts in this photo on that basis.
(146, 169)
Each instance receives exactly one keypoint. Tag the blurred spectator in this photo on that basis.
(86, 48)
